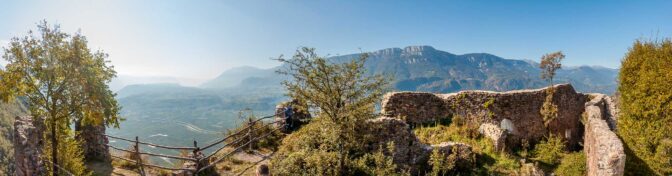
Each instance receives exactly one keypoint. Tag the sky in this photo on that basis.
(200, 39)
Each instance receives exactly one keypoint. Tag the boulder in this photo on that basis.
(530, 169)
(28, 145)
(494, 133)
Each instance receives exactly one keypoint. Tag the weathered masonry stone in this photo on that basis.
(494, 133)
(94, 143)
(409, 153)
(604, 150)
(28, 146)
(520, 109)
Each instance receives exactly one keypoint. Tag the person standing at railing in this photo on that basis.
(289, 111)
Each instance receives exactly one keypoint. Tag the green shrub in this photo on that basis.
(646, 107)
(550, 151)
(71, 156)
(377, 163)
(333, 142)
(572, 164)
(440, 164)
(488, 161)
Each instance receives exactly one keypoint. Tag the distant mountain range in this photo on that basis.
(423, 68)
(180, 114)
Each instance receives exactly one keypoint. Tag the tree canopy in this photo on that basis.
(645, 118)
(63, 81)
(549, 64)
(343, 97)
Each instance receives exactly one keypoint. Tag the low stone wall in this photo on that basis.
(603, 148)
(28, 146)
(515, 111)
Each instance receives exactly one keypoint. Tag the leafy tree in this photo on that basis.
(343, 98)
(645, 118)
(62, 80)
(549, 64)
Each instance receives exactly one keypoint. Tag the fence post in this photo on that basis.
(197, 156)
(249, 134)
(138, 161)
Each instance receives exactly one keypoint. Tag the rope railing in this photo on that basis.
(235, 142)
(152, 154)
(61, 168)
(153, 145)
(197, 152)
(236, 133)
(237, 149)
(151, 165)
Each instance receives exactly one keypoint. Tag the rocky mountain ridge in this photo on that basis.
(424, 68)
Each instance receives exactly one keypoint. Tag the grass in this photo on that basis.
(488, 160)
(549, 154)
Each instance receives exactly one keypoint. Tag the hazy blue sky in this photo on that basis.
(200, 39)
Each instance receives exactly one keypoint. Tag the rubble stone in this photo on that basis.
(494, 133)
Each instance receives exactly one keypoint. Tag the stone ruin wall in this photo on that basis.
(28, 143)
(28, 146)
(603, 148)
(518, 113)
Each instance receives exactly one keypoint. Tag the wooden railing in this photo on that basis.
(197, 152)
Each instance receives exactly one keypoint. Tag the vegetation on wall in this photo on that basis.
(645, 118)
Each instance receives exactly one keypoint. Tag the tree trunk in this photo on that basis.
(54, 148)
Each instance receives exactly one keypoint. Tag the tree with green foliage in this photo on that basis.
(63, 81)
(549, 64)
(342, 97)
(645, 118)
